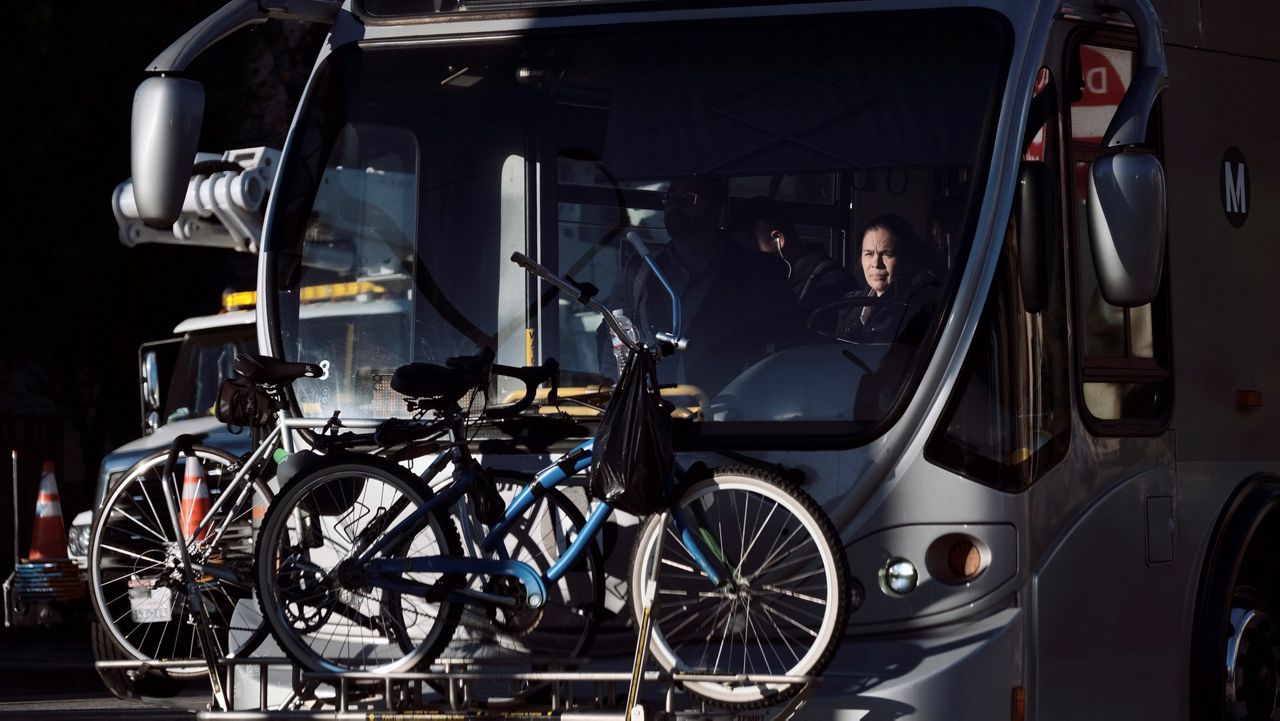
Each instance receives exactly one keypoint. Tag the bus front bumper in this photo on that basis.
(965, 671)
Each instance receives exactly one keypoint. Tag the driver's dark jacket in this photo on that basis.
(897, 315)
(732, 311)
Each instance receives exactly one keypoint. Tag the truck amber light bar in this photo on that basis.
(239, 300)
(245, 299)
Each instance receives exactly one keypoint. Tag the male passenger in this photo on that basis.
(815, 278)
(731, 298)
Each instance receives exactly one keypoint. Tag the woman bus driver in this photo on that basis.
(895, 265)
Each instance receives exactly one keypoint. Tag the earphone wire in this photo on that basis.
(777, 243)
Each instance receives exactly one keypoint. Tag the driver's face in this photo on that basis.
(879, 259)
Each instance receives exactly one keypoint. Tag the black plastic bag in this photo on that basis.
(632, 457)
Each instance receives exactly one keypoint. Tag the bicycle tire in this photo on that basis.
(558, 636)
(132, 547)
(128, 683)
(773, 624)
(309, 608)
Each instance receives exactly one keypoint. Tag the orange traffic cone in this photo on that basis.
(48, 535)
(195, 499)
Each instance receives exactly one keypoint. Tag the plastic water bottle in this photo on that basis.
(620, 350)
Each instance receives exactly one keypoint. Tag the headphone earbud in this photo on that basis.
(777, 243)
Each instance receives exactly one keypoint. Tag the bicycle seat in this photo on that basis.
(265, 369)
(434, 383)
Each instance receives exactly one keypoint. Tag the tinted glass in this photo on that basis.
(420, 170)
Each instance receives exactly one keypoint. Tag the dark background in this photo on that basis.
(76, 303)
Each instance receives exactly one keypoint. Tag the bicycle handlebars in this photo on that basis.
(531, 376)
(584, 293)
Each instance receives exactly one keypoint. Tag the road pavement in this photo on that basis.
(47, 673)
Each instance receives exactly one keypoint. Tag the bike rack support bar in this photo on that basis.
(398, 689)
(133, 665)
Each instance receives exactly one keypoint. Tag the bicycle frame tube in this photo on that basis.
(573, 462)
(689, 538)
(598, 516)
(280, 437)
(447, 497)
(535, 590)
(258, 454)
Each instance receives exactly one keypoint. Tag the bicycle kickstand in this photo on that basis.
(646, 623)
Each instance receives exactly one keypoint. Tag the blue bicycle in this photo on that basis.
(740, 578)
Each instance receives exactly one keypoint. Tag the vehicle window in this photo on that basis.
(1123, 352)
(1009, 417)
(426, 167)
(204, 361)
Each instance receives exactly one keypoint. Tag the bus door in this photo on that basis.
(1100, 534)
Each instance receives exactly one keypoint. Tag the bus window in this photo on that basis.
(1125, 381)
(1008, 421)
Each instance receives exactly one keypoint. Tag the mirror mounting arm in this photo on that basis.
(232, 17)
(1129, 125)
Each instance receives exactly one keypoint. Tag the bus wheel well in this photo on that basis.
(1240, 562)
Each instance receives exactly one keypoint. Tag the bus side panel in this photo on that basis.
(1224, 280)
(1244, 27)
(1181, 21)
(1104, 631)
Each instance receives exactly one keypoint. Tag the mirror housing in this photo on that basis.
(1036, 229)
(167, 112)
(1127, 227)
(149, 378)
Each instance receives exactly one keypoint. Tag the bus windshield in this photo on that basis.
(805, 183)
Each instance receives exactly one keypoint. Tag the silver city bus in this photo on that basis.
(1032, 394)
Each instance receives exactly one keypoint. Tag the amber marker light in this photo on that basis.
(1248, 399)
(964, 560)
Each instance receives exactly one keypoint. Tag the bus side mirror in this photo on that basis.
(150, 380)
(1035, 230)
(1127, 227)
(167, 112)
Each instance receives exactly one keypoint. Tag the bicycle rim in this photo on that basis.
(786, 615)
(136, 578)
(326, 623)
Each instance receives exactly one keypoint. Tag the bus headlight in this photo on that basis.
(899, 576)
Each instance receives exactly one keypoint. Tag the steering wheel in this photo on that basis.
(831, 311)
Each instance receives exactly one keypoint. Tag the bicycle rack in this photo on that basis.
(570, 696)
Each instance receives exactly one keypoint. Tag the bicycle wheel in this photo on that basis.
(555, 637)
(782, 612)
(324, 618)
(137, 583)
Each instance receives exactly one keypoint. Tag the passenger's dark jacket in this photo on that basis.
(817, 280)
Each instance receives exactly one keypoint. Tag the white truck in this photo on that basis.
(178, 378)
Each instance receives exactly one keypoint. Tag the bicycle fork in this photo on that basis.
(195, 599)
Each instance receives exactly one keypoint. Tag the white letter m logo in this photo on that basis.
(1235, 190)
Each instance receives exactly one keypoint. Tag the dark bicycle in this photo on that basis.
(360, 565)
